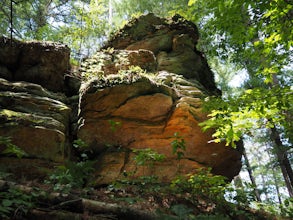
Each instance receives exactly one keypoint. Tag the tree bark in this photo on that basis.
(275, 181)
(11, 20)
(283, 160)
(277, 187)
(252, 179)
(264, 185)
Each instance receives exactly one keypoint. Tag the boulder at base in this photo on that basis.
(33, 114)
(35, 120)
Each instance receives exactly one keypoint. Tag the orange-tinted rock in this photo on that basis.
(134, 96)
(123, 112)
(138, 108)
(147, 114)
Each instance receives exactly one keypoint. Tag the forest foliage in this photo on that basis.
(247, 42)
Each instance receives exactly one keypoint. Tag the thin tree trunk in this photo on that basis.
(239, 185)
(262, 176)
(252, 179)
(283, 160)
(264, 186)
(11, 19)
(275, 181)
(110, 17)
(277, 187)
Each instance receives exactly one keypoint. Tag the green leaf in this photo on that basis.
(6, 202)
(191, 2)
(14, 150)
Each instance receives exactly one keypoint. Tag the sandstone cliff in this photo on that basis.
(145, 85)
(150, 104)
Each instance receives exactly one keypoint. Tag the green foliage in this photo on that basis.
(147, 157)
(11, 149)
(254, 109)
(73, 174)
(253, 30)
(287, 208)
(132, 8)
(144, 158)
(182, 211)
(114, 125)
(202, 185)
(80, 144)
(15, 203)
(4, 175)
(82, 148)
(178, 146)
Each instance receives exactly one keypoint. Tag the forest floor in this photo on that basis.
(119, 201)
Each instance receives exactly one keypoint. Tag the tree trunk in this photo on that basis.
(252, 179)
(277, 187)
(243, 196)
(275, 181)
(11, 20)
(283, 160)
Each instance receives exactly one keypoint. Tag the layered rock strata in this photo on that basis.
(148, 106)
(33, 116)
(141, 94)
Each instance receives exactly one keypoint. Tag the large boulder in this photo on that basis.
(173, 42)
(126, 108)
(35, 119)
(145, 112)
(34, 110)
(43, 63)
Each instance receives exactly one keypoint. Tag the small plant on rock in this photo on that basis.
(178, 147)
(147, 157)
(11, 149)
(73, 174)
(114, 125)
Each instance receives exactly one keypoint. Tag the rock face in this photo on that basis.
(124, 109)
(141, 94)
(35, 119)
(35, 62)
(173, 42)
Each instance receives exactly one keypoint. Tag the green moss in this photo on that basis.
(14, 118)
(10, 115)
(123, 77)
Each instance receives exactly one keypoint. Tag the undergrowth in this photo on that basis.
(200, 195)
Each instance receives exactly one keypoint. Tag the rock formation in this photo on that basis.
(142, 90)
(41, 63)
(35, 119)
(151, 103)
